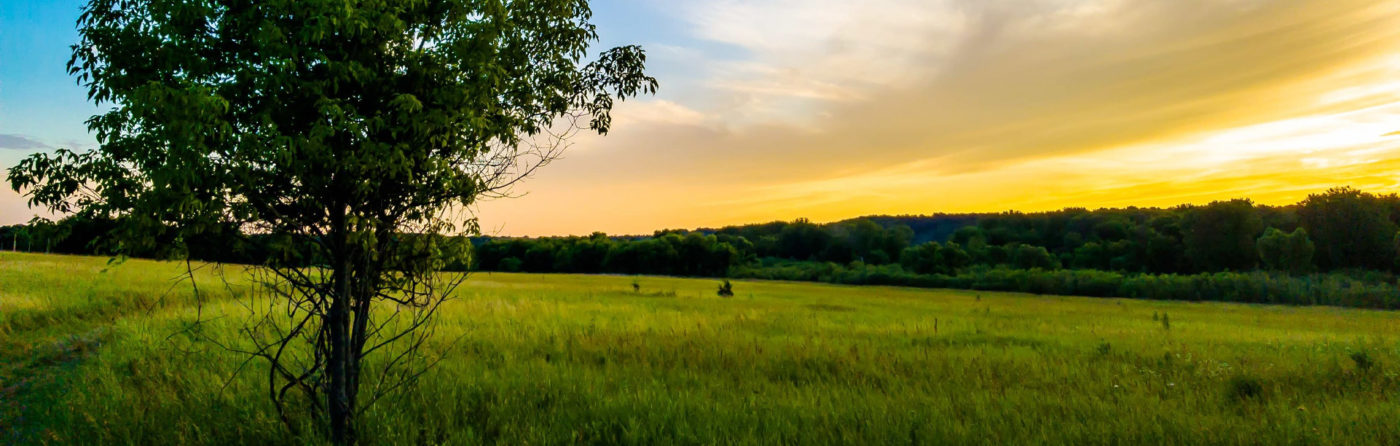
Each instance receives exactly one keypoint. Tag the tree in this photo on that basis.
(1352, 229)
(47, 231)
(953, 258)
(540, 257)
(1030, 257)
(1113, 229)
(1164, 252)
(866, 241)
(1395, 244)
(1221, 236)
(802, 240)
(353, 135)
(925, 258)
(1291, 252)
(1090, 255)
(510, 264)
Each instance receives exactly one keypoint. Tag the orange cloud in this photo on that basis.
(1037, 106)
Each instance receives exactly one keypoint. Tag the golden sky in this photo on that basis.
(834, 109)
(831, 109)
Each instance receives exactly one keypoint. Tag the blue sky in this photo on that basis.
(42, 107)
(829, 109)
(38, 99)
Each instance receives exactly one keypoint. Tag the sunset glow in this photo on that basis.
(780, 109)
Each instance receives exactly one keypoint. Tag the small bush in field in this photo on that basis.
(1363, 360)
(726, 290)
(1244, 387)
(1103, 348)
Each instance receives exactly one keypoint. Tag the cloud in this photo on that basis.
(20, 142)
(998, 82)
(1036, 83)
(832, 109)
(795, 54)
(662, 112)
(1275, 162)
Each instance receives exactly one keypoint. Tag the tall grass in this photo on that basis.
(568, 359)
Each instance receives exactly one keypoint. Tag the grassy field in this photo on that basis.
(92, 354)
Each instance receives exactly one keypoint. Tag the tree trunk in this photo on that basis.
(359, 313)
(341, 361)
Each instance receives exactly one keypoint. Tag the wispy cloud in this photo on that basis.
(20, 142)
(830, 109)
(795, 54)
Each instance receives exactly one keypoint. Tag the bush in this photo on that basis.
(1363, 360)
(1243, 387)
(726, 289)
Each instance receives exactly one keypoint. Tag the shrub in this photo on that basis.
(1103, 348)
(1363, 360)
(1243, 387)
(726, 290)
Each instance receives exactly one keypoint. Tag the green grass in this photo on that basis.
(92, 354)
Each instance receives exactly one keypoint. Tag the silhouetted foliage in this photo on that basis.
(1028, 257)
(1290, 252)
(1350, 228)
(349, 135)
(1131, 252)
(1221, 236)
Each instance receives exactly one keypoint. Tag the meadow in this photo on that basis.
(99, 353)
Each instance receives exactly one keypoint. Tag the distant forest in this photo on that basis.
(1336, 247)
(1342, 228)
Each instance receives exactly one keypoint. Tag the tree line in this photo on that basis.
(1340, 229)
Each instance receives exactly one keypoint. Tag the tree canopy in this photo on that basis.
(354, 133)
(1352, 229)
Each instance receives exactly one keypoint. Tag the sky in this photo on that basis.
(831, 109)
